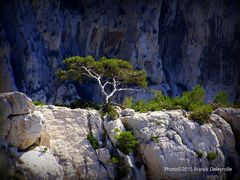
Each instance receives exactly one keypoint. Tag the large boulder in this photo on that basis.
(20, 125)
(38, 164)
(232, 116)
(65, 133)
(175, 147)
(15, 103)
(25, 129)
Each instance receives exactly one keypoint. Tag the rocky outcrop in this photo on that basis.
(20, 126)
(39, 163)
(232, 116)
(65, 133)
(178, 43)
(50, 142)
(172, 146)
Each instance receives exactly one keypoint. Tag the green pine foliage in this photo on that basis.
(200, 113)
(38, 103)
(192, 101)
(84, 105)
(112, 113)
(220, 100)
(128, 102)
(211, 156)
(93, 141)
(126, 142)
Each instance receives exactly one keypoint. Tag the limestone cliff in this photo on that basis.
(179, 43)
(51, 142)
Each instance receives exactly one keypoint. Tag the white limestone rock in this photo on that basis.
(25, 129)
(127, 112)
(39, 163)
(169, 140)
(105, 157)
(19, 102)
(65, 133)
(113, 128)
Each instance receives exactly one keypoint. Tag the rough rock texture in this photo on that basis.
(39, 163)
(19, 126)
(232, 116)
(169, 140)
(53, 143)
(179, 43)
(65, 133)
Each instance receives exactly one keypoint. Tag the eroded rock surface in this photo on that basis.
(170, 140)
(53, 142)
(39, 163)
(65, 133)
(179, 43)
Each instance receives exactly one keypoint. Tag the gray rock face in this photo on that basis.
(19, 125)
(169, 140)
(179, 43)
(53, 142)
(39, 164)
(65, 133)
(232, 116)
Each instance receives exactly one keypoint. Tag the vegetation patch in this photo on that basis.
(199, 154)
(192, 101)
(201, 113)
(84, 105)
(38, 103)
(211, 156)
(123, 169)
(154, 139)
(112, 113)
(93, 141)
(128, 102)
(126, 142)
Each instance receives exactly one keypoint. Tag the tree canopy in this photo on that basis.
(112, 75)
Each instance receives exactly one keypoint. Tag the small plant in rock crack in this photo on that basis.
(123, 168)
(126, 142)
(154, 139)
(199, 154)
(92, 141)
(38, 103)
(114, 160)
(211, 156)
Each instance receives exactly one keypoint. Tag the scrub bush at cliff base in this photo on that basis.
(192, 101)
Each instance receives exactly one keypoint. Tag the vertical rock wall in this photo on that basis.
(179, 43)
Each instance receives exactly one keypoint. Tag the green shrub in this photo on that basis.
(112, 113)
(92, 141)
(159, 102)
(199, 154)
(211, 156)
(200, 113)
(236, 105)
(126, 142)
(140, 106)
(154, 139)
(84, 105)
(114, 160)
(196, 96)
(38, 103)
(128, 102)
(123, 169)
(220, 100)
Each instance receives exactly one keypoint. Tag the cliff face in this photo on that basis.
(179, 43)
(52, 142)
